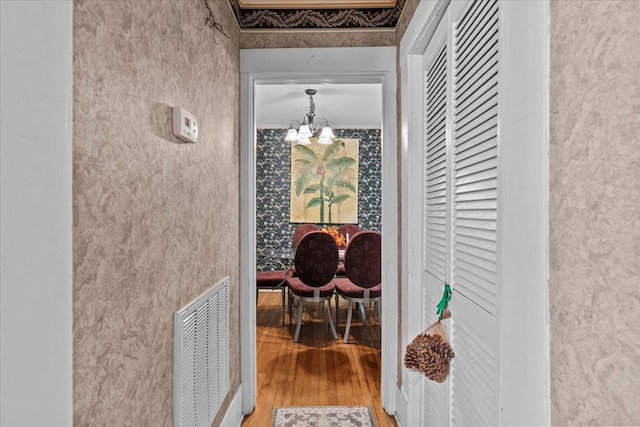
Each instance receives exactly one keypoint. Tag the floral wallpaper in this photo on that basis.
(273, 169)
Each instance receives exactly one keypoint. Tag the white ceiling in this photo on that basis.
(345, 106)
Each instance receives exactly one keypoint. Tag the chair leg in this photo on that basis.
(348, 326)
(290, 304)
(333, 326)
(283, 305)
(363, 314)
(298, 321)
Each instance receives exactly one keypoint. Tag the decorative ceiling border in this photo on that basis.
(316, 18)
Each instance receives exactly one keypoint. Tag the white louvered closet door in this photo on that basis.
(461, 210)
(476, 372)
(437, 115)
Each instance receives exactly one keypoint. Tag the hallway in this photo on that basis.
(317, 370)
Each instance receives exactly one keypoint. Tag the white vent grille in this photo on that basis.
(201, 358)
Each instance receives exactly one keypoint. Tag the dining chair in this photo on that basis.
(300, 232)
(315, 261)
(271, 274)
(362, 263)
(348, 231)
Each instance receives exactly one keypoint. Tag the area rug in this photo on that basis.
(323, 416)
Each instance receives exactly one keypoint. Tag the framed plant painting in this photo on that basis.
(324, 182)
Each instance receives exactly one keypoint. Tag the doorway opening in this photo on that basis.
(316, 68)
(331, 373)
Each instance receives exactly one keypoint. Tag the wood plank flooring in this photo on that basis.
(317, 370)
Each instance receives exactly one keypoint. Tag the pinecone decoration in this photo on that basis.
(430, 353)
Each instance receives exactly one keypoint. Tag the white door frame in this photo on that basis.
(412, 48)
(335, 65)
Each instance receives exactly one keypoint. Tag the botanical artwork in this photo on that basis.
(324, 182)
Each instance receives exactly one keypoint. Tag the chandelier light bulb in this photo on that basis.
(292, 135)
(305, 131)
(327, 133)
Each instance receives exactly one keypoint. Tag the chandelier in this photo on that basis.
(306, 129)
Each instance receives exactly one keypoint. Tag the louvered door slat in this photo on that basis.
(475, 223)
(471, 243)
(480, 75)
(439, 85)
(475, 122)
(476, 27)
(435, 185)
(487, 214)
(438, 125)
(476, 233)
(437, 68)
(482, 156)
(489, 183)
(486, 275)
(471, 21)
(478, 171)
(480, 44)
(475, 196)
(480, 259)
(485, 95)
(476, 146)
(478, 131)
(437, 162)
(482, 84)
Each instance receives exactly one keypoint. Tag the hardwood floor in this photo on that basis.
(317, 370)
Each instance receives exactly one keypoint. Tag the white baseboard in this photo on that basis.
(234, 415)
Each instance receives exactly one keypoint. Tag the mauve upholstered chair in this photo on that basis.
(271, 274)
(300, 232)
(362, 263)
(316, 260)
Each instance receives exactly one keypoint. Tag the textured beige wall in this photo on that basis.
(408, 11)
(594, 212)
(155, 220)
(255, 39)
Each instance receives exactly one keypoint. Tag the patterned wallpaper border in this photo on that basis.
(317, 18)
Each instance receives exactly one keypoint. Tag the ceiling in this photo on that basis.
(345, 106)
(352, 106)
(316, 14)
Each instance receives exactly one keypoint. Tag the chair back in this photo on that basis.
(316, 259)
(362, 259)
(300, 232)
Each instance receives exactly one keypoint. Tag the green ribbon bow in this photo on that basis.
(444, 302)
